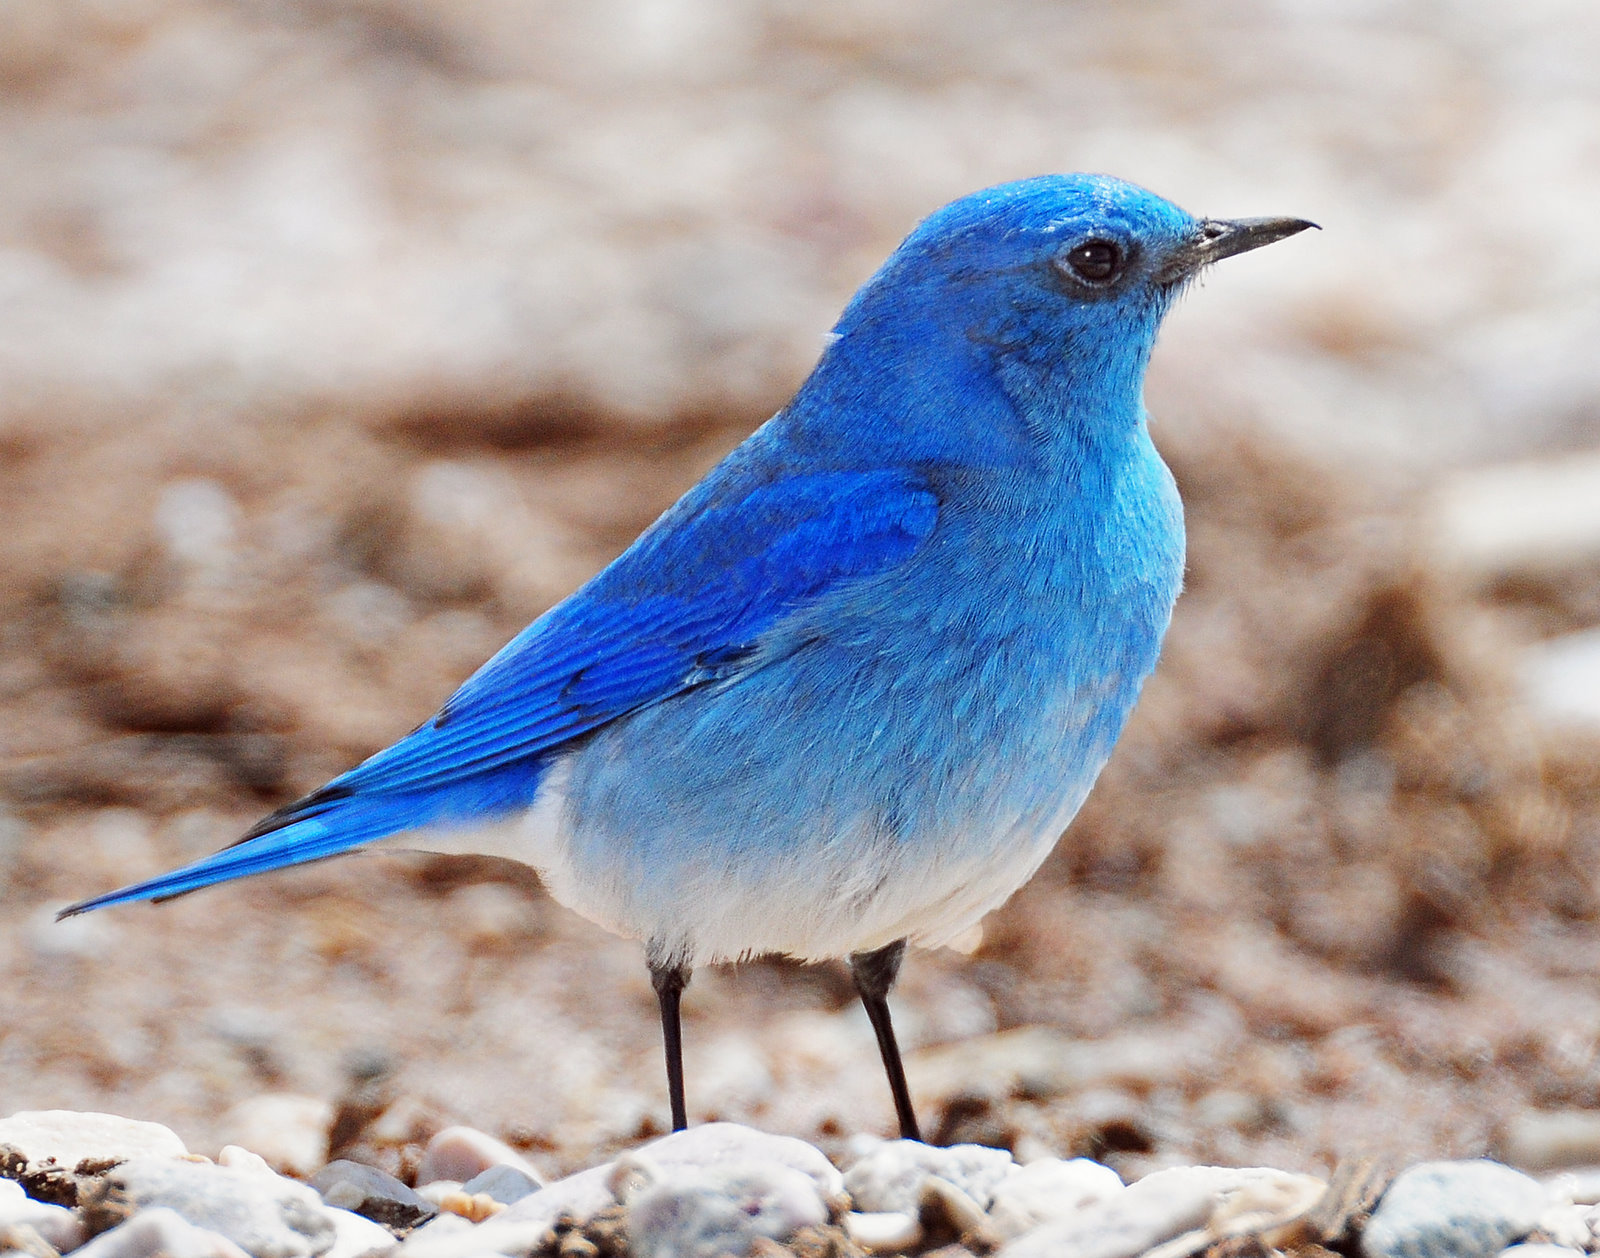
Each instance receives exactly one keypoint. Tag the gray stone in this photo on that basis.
(67, 1137)
(890, 1177)
(269, 1218)
(56, 1225)
(506, 1184)
(582, 1196)
(371, 1193)
(159, 1233)
(1453, 1210)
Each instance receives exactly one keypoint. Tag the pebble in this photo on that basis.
(371, 1193)
(724, 1189)
(355, 1237)
(703, 1212)
(505, 1184)
(463, 1153)
(1160, 1208)
(451, 1236)
(67, 1137)
(890, 1177)
(1547, 1140)
(56, 1225)
(1453, 1210)
(290, 1132)
(160, 1232)
(582, 1196)
(883, 1231)
(1047, 1189)
(275, 1218)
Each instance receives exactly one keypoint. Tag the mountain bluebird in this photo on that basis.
(847, 692)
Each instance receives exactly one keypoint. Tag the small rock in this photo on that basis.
(947, 1213)
(56, 1225)
(720, 1209)
(475, 1207)
(582, 1196)
(464, 1153)
(371, 1193)
(268, 1219)
(356, 1237)
(1160, 1208)
(1566, 1223)
(67, 1137)
(883, 1231)
(731, 1145)
(290, 1132)
(159, 1233)
(451, 1236)
(891, 1176)
(1049, 1189)
(712, 1151)
(503, 1183)
(1453, 1210)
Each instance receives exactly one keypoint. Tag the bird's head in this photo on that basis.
(1056, 278)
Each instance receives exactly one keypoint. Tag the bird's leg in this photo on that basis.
(669, 980)
(874, 973)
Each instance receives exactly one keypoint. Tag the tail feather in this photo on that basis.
(295, 844)
(331, 822)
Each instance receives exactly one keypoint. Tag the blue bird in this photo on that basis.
(848, 691)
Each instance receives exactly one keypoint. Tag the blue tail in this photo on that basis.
(332, 821)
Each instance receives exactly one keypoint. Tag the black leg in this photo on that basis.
(669, 982)
(874, 973)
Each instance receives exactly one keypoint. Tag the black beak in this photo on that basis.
(1218, 238)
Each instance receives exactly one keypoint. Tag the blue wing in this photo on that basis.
(688, 604)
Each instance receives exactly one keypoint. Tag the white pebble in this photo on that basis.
(66, 1137)
(1453, 1210)
(463, 1153)
(1154, 1210)
(722, 1209)
(883, 1231)
(1049, 1189)
(891, 1176)
(56, 1224)
(159, 1233)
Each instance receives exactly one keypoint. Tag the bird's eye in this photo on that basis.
(1097, 262)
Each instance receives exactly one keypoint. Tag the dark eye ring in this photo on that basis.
(1097, 262)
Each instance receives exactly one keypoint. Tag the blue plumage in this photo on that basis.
(846, 692)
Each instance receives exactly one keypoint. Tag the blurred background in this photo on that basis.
(339, 338)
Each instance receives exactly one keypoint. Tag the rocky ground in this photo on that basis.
(104, 1187)
(340, 339)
